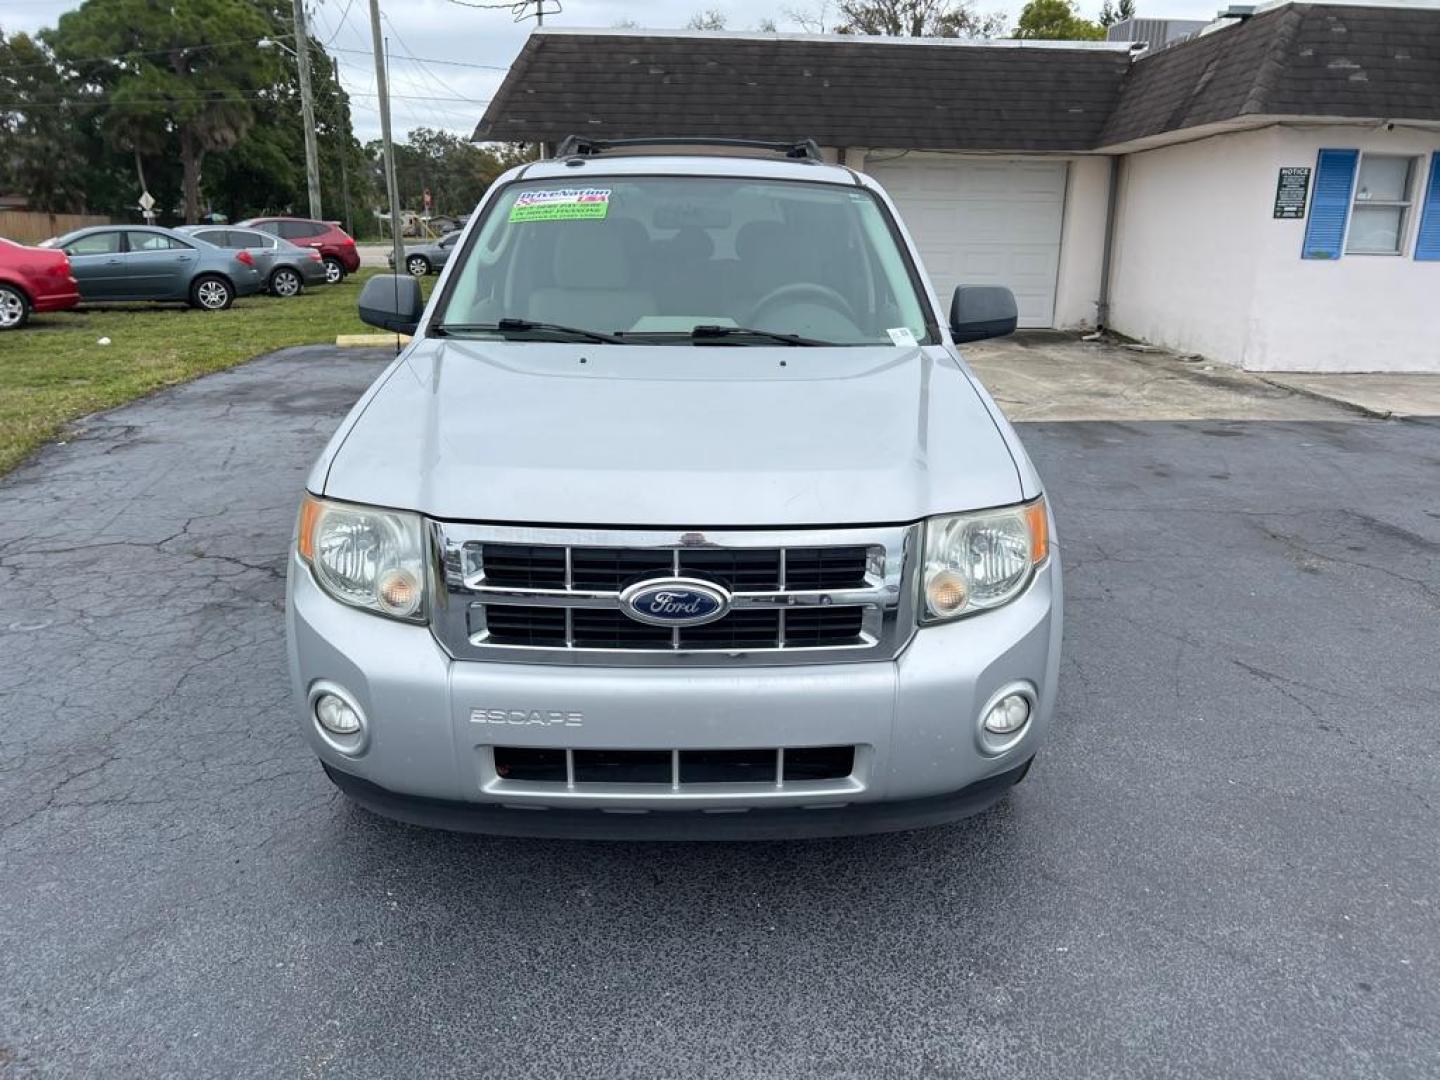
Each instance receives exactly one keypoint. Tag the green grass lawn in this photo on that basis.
(55, 370)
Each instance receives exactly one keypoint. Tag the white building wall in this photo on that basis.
(1186, 241)
(1355, 313)
(1082, 242)
(1201, 264)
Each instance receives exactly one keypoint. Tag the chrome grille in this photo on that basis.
(553, 595)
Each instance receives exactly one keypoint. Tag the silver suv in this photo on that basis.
(680, 516)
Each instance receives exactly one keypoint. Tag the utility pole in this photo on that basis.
(307, 109)
(343, 124)
(382, 91)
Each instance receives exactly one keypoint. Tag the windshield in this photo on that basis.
(651, 258)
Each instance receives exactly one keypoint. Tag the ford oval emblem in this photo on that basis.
(675, 602)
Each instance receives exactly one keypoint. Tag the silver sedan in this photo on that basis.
(285, 268)
(141, 262)
(427, 258)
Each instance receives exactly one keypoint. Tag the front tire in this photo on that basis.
(417, 265)
(334, 271)
(210, 292)
(285, 282)
(14, 308)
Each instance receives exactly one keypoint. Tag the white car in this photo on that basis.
(680, 516)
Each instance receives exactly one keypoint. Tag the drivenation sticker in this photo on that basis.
(561, 204)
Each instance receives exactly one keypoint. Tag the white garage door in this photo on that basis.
(984, 222)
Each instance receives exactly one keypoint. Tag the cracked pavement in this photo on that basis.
(1225, 862)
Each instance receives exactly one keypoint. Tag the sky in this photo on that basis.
(447, 58)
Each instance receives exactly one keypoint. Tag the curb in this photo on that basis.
(1316, 395)
(370, 340)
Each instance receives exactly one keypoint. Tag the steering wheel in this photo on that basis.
(809, 290)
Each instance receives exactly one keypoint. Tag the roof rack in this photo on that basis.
(580, 146)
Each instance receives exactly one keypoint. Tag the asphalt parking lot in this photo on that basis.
(1224, 864)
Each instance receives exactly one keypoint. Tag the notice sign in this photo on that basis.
(561, 204)
(1290, 192)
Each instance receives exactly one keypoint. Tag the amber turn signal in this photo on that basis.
(309, 514)
(1039, 525)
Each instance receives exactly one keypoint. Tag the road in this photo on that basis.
(1224, 864)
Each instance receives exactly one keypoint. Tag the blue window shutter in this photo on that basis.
(1330, 204)
(1427, 241)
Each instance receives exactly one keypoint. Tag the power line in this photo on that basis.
(201, 47)
(344, 21)
(433, 80)
(433, 60)
(449, 114)
(241, 41)
(87, 103)
(519, 8)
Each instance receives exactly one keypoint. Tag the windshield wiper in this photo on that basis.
(703, 331)
(508, 326)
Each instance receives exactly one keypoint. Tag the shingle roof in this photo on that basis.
(843, 93)
(1297, 60)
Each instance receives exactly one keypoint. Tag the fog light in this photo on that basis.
(1005, 720)
(336, 716)
(1008, 715)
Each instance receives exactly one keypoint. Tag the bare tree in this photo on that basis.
(1111, 13)
(812, 20)
(711, 19)
(917, 18)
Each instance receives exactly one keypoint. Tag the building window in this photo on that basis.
(1381, 206)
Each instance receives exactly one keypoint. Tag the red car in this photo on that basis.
(33, 279)
(334, 243)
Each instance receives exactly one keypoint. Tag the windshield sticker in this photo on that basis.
(901, 335)
(562, 204)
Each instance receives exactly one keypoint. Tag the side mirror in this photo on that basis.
(978, 312)
(392, 302)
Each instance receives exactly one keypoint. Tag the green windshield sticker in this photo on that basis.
(562, 204)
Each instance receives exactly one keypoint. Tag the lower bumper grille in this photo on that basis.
(673, 769)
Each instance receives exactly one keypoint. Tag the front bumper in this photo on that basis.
(914, 721)
(785, 823)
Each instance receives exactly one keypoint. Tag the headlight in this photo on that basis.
(366, 557)
(974, 562)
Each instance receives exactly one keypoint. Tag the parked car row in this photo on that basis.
(206, 266)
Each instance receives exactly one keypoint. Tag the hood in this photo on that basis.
(709, 436)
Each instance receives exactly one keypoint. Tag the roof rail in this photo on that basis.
(580, 146)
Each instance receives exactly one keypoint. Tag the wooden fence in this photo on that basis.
(32, 226)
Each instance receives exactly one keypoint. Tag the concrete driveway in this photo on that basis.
(1047, 375)
(1223, 865)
